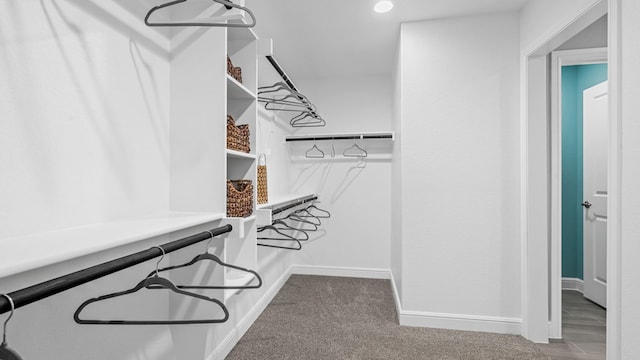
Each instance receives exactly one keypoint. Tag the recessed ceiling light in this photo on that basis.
(383, 6)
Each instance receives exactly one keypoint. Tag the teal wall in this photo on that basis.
(575, 79)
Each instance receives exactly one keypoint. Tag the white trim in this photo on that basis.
(340, 271)
(245, 323)
(573, 284)
(501, 325)
(396, 295)
(614, 226)
(558, 60)
(534, 251)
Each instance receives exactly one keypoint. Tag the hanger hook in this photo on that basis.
(159, 261)
(13, 308)
(210, 240)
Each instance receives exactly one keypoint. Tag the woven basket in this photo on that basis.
(234, 71)
(237, 136)
(239, 198)
(263, 193)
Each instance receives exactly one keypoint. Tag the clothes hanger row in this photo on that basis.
(285, 99)
(354, 150)
(293, 228)
(154, 281)
(228, 4)
(208, 257)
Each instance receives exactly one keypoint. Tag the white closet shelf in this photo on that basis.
(240, 155)
(283, 200)
(236, 90)
(388, 135)
(240, 33)
(28, 252)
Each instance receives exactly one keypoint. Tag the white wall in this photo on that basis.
(460, 145)
(358, 194)
(85, 118)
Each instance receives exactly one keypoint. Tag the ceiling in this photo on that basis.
(324, 38)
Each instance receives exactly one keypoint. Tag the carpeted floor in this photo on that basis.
(317, 317)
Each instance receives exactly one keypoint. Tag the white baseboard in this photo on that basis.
(573, 284)
(243, 325)
(492, 324)
(341, 271)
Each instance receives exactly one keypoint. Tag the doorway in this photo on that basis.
(572, 72)
(579, 153)
(538, 175)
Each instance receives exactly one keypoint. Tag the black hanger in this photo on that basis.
(7, 353)
(355, 150)
(211, 257)
(298, 101)
(313, 224)
(153, 282)
(284, 237)
(314, 153)
(287, 227)
(307, 118)
(326, 214)
(227, 4)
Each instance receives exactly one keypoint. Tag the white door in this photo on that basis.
(596, 130)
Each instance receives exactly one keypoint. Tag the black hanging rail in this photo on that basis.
(293, 204)
(340, 137)
(52, 287)
(288, 81)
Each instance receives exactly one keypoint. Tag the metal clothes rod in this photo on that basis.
(294, 204)
(52, 287)
(287, 81)
(340, 137)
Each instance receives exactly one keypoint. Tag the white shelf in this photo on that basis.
(283, 200)
(240, 155)
(24, 253)
(388, 135)
(236, 90)
(241, 33)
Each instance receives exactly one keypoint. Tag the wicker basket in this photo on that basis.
(239, 198)
(234, 71)
(237, 136)
(263, 193)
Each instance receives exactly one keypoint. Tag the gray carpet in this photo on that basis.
(318, 317)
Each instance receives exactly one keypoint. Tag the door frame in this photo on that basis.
(535, 174)
(558, 60)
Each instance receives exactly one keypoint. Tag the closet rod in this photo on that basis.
(340, 137)
(294, 204)
(52, 287)
(288, 81)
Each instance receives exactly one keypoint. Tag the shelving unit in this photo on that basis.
(241, 104)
